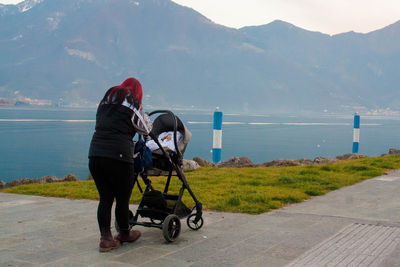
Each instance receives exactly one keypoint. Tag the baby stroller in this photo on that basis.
(165, 210)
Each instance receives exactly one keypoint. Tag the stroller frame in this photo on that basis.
(168, 219)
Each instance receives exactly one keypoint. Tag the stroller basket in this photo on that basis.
(157, 206)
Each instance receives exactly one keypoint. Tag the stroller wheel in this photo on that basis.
(171, 227)
(130, 219)
(192, 225)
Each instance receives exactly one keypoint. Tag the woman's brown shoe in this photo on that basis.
(128, 236)
(107, 244)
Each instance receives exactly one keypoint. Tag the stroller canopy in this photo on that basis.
(165, 123)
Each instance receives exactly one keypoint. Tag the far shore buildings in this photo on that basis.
(24, 101)
(7, 102)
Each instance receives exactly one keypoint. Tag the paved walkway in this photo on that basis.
(354, 226)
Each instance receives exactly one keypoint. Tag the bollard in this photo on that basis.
(356, 133)
(217, 136)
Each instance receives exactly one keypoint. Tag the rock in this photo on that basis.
(394, 151)
(90, 177)
(203, 163)
(351, 156)
(281, 163)
(44, 179)
(305, 162)
(287, 162)
(69, 178)
(19, 182)
(322, 160)
(189, 165)
(50, 179)
(236, 162)
(2, 184)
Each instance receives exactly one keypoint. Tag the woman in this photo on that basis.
(119, 116)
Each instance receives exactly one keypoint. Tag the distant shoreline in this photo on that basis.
(372, 114)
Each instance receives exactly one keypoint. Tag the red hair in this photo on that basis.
(130, 89)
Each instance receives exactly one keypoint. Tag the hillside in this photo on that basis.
(76, 49)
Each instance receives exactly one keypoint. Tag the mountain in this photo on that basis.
(77, 49)
(7, 10)
(21, 7)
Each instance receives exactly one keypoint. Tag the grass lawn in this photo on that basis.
(247, 190)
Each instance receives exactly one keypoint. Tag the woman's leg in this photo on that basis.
(99, 169)
(123, 190)
(126, 179)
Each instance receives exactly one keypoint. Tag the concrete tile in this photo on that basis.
(286, 251)
(35, 242)
(43, 256)
(200, 250)
(20, 227)
(16, 263)
(166, 262)
(110, 264)
(77, 246)
(298, 223)
(149, 236)
(390, 262)
(231, 221)
(139, 255)
(71, 217)
(230, 256)
(65, 263)
(273, 218)
(393, 259)
(126, 247)
(83, 259)
(208, 247)
(213, 217)
(314, 234)
(10, 242)
(268, 239)
(7, 255)
(184, 240)
(263, 260)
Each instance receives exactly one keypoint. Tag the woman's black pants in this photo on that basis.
(114, 180)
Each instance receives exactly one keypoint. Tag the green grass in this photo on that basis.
(247, 190)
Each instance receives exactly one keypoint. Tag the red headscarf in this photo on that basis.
(130, 89)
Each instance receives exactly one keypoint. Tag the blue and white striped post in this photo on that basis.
(356, 133)
(217, 136)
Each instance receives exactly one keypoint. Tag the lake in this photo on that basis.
(39, 142)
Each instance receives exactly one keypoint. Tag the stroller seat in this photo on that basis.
(162, 124)
(166, 123)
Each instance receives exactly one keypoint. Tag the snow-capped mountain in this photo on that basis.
(28, 4)
(20, 7)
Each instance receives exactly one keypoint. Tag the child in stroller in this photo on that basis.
(165, 210)
(166, 140)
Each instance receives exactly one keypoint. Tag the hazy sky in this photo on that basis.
(327, 16)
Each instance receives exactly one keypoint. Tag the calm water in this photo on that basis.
(35, 143)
